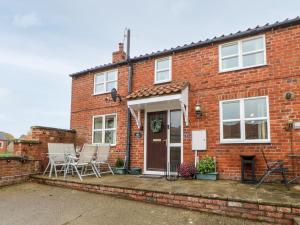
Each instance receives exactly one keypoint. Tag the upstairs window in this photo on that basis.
(105, 81)
(245, 120)
(104, 129)
(163, 70)
(242, 54)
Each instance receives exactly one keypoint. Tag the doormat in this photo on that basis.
(151, 176)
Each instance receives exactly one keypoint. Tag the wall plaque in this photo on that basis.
(138, 134)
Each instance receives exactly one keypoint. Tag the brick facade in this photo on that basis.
(200, 67)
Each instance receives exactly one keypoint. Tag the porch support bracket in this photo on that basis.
(185, 104)
(137, 116)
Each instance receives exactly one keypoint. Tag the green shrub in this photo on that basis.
(206, 165)
(119, 163)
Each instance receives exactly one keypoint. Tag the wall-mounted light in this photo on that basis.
(198, 110)
(290, 124)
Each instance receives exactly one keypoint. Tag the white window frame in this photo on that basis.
(169, 69)
(240, 54)
(242, 120)
(103, 129)
(1, 144)
(105, 81)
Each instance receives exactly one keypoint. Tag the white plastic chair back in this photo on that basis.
(103, 153)
(87, 154)
(57, 151)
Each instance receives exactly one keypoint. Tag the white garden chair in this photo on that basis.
(102, 159)
(57, 156)
(87, 155)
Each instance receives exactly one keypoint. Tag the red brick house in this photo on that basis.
(4, 141)
(241, 91)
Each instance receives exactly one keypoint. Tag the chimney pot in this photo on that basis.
(121, 47)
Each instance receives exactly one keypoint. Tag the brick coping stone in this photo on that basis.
(259, 211)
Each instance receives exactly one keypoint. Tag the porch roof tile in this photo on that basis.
(159, 89)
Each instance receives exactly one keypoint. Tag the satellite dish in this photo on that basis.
(114, 95)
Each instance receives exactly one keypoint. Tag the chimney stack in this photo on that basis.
(119, 55)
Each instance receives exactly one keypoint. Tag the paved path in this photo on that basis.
(35, 204)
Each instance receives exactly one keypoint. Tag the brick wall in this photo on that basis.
(200, 67)
(15, 170)
(35, 149)
(45, 135)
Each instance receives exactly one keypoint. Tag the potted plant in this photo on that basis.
(119, 166)
(186, 171)
(135, 171)
(207, 169)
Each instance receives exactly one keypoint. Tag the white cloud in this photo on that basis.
(35, 62)
(177, 7)
(26, 20)
(4, 93)
(3, 117)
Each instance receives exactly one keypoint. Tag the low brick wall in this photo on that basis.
(14, 170)
(275, 214)
(35, 149)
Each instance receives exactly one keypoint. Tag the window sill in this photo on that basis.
(243, 68)
(162, 82)
(112, 145)
(102, 93)
(246, 142)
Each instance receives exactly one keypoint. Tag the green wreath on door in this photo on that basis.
(156, 125)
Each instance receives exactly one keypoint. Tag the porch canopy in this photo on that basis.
(161, 96)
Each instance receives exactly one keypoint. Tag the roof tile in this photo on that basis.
(158, 89)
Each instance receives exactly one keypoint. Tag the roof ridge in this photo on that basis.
(183, 47)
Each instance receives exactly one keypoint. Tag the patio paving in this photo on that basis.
(36, 204)
(272, 194)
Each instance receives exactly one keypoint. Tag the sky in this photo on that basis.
(42, 42)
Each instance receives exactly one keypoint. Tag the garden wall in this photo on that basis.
(30, 155)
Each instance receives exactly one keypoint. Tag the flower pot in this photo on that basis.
(207, 176)
(119, 170)
(135, 171)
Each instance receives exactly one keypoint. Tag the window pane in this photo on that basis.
(162, 64)
(253, 59)
(110, 136)
(97, 137)
(163, 75)
(99, 88)
(230, 62)
(112, 75)
(110, 121)
(98, 123)
(111, 85)
(231, 130)
(255, 108)
(100, 78)
(229, 50)
(231, 110)
(256, 129)
(175, 158)
(175, 128)
(253, 45)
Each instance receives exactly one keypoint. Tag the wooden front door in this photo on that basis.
(157, 140)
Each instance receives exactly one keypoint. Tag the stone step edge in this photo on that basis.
(258, 212)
